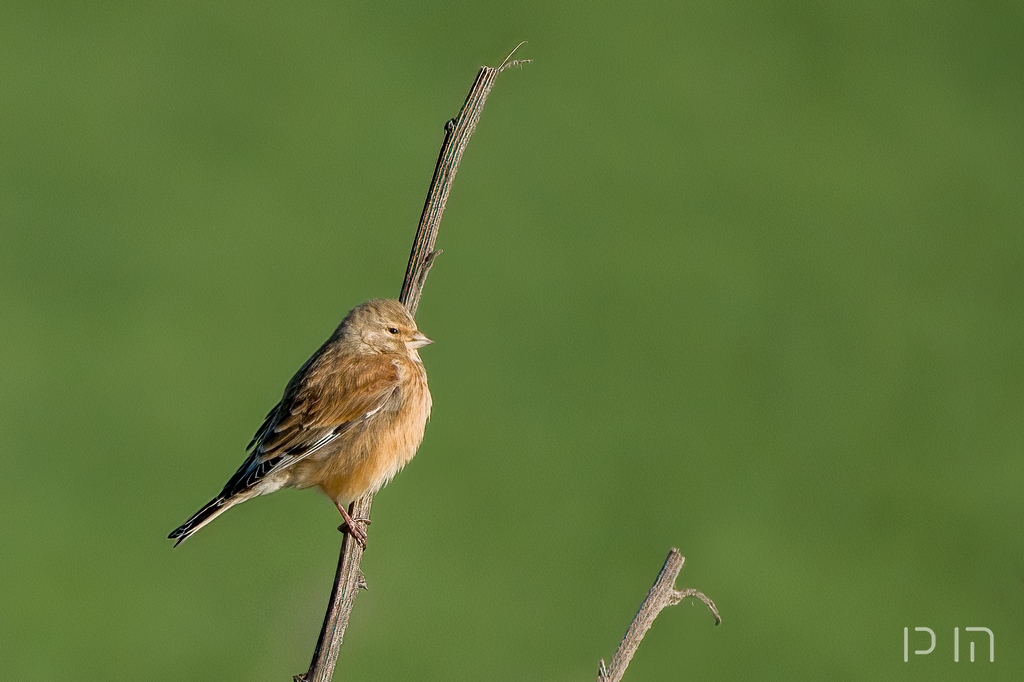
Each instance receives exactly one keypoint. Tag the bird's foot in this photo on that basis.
(354, 527)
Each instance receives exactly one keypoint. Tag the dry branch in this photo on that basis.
(663, 593)
(349, 579)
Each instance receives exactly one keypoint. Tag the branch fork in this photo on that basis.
(661, 595)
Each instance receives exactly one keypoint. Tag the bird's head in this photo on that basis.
(383, 325)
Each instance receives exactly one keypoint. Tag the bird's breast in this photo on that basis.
(371, 454)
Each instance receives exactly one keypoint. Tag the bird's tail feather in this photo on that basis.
(209, 512)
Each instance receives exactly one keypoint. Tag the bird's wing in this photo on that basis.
(326, 398)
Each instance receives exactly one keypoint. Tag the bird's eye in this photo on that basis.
(392, 330)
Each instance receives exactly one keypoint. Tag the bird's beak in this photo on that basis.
(419, 339)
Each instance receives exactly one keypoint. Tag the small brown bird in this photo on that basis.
(349, 420)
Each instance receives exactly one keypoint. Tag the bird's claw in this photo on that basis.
(355, 528)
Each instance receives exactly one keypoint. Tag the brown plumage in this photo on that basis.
(349, 420)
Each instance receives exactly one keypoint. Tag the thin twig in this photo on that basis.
(349, 579)
(662, 594)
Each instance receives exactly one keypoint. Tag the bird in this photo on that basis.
(349, 420)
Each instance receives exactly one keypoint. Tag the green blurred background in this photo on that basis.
(741, 278)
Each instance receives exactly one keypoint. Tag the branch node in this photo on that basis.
(506, 64)
(516, 62)
(679, 595)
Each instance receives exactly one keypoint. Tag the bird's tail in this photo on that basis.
(209, 512)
